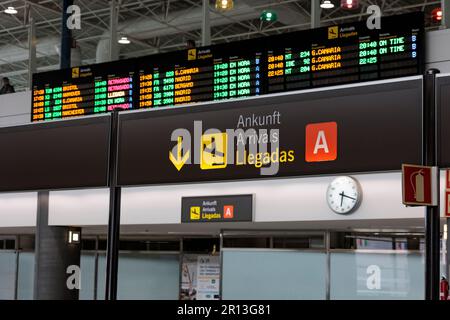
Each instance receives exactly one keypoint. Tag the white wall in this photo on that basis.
(438, 50)
(79, 207)
(15, 108)
(18, 209)
(297, 199)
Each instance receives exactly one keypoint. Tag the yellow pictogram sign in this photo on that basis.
(195, 213)
(179, 160)
(192, 54)
(75, 73)
(333, 32)
(213, 153)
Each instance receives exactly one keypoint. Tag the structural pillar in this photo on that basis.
(31, 48)
(206, 24)
(53, 252)
(114, 20)
(53, 255)
(112, 249)
(315, 14)
(66, 37)
(445, 5)
(432, 218)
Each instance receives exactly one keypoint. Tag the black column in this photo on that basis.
(53, 254)
(432, 219)
(112, 250)
(66, 37)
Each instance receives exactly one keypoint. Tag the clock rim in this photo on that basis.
(358, 202)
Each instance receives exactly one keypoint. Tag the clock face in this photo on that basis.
(344, 195)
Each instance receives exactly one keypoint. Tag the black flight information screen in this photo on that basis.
(337, 54)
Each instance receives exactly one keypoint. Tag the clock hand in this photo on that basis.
(342, 197)
(348, 197)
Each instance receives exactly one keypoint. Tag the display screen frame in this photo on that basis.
(19, 142)
(135, 67)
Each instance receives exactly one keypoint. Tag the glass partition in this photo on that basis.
(273, 274)
(7, 274)
(146, 276)
(26, 276)
(390, 275)
(87, 266)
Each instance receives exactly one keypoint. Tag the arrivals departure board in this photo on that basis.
(336, 54)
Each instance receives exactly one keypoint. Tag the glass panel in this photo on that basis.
(26, 276)
(87, 265)
(143, 276)
(101, 280)
(269, 274)
(375, 276)
(7, 275)
(148, 276)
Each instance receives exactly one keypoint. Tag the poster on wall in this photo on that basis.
(208, 278)
(200, 278)
(188, 290)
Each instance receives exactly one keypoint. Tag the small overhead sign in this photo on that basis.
(217, 208)
(447, 203)
(419, 185)
(447, 194)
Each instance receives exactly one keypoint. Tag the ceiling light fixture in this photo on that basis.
(124, 40)
(10, 10)
(349, 4)
(327, 4)
(269, 15)
(74, 236)
(436, 15)
(224, 5)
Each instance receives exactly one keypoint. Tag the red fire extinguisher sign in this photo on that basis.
(444, 289)
(419, 185)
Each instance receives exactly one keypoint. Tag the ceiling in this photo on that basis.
(159, 26)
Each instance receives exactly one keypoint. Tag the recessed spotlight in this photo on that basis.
(327, 4)
(124, 40)
(10, 10)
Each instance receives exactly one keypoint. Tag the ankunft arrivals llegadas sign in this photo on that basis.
(357, 129)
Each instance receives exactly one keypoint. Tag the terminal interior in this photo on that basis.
(294, 246)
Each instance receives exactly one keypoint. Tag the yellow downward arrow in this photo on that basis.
(179, 161)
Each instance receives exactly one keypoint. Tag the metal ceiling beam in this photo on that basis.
(446, 14)
(95, 24)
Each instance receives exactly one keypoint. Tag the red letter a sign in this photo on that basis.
(321, 142)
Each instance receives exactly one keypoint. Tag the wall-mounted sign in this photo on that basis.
(447, 177)
(55, 155)
(447, 203)
(217, 208)
(348, 130)
(419, 185)
(447, 193)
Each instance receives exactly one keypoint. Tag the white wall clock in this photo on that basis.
(344, 195)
